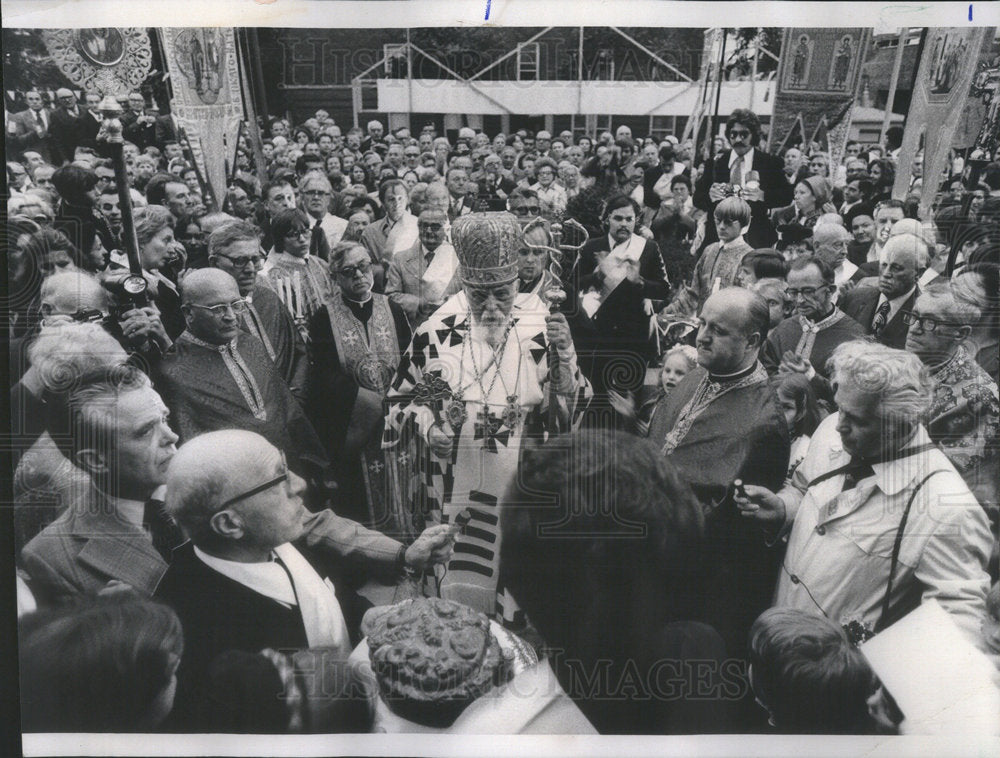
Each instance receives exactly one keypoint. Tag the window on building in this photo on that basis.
(661, 126)
(527, 62)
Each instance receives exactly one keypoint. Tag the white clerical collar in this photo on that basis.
(358, 303)
(266, 578)
(743, 372)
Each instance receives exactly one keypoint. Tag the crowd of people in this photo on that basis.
(677, 429)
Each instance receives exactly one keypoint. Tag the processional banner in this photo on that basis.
(947, 65)
(207, 100)
(817, 82)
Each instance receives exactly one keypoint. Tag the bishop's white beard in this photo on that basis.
(492, 325)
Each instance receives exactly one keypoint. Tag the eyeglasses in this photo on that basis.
(502, 292)
(349, 272)
(739, 133)
(244, 261)
(315, 193)
(792, 294)
(412, 155)
(926, 323)
(236, 307)
(283, 477)
(527, 210)
(431, 227)
(298, 232)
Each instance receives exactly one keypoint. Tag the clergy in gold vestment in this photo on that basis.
(721, 423)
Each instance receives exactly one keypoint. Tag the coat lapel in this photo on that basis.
(121, 551)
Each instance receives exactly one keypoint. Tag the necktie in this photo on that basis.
(856, 471)
(163, 530)
(428, 257)
(318, 245)
(881, 318)
(736, 172)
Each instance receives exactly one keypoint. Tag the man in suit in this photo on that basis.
(249, 579)
(315, 193)
(29, 129)
(615, 276)
(456, 179)
(90, 120)
(65, 128)
(880, 311)
(494, 185)
(166, 129)
(113, 426)
(423, 276)
(235, 248)
(136, 107)
(142, 131)
(733, 168)
(393, 233)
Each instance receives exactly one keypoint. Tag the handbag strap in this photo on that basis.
(886, 601)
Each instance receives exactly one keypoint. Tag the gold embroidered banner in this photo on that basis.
(207, 102)
(817, 80)
(948, 62)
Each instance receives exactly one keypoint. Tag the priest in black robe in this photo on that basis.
(355, 344)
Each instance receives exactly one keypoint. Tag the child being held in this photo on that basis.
(798, 403)
(808, 676)
(677, 362)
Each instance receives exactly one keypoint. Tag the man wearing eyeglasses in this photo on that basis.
(739, 168)
(235, 249)
(316, 192)
(964, 417)
(218, 377)
(424, 275)
(260, 571)
(804, 343)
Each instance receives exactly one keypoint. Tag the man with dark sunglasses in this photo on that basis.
(748, 171)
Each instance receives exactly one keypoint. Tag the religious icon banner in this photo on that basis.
(106, 60)
(947, 65)
(207, 102)
(817, 81)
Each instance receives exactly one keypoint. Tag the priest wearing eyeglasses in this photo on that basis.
(218, 376)
(260, 571)
(355, 345)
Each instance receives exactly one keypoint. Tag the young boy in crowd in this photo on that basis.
(808, 676)
(719, 265)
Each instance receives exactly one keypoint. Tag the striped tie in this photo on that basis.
(881, 318)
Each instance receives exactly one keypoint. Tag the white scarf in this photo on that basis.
(439, 272)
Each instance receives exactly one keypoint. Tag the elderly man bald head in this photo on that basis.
(234, 495)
